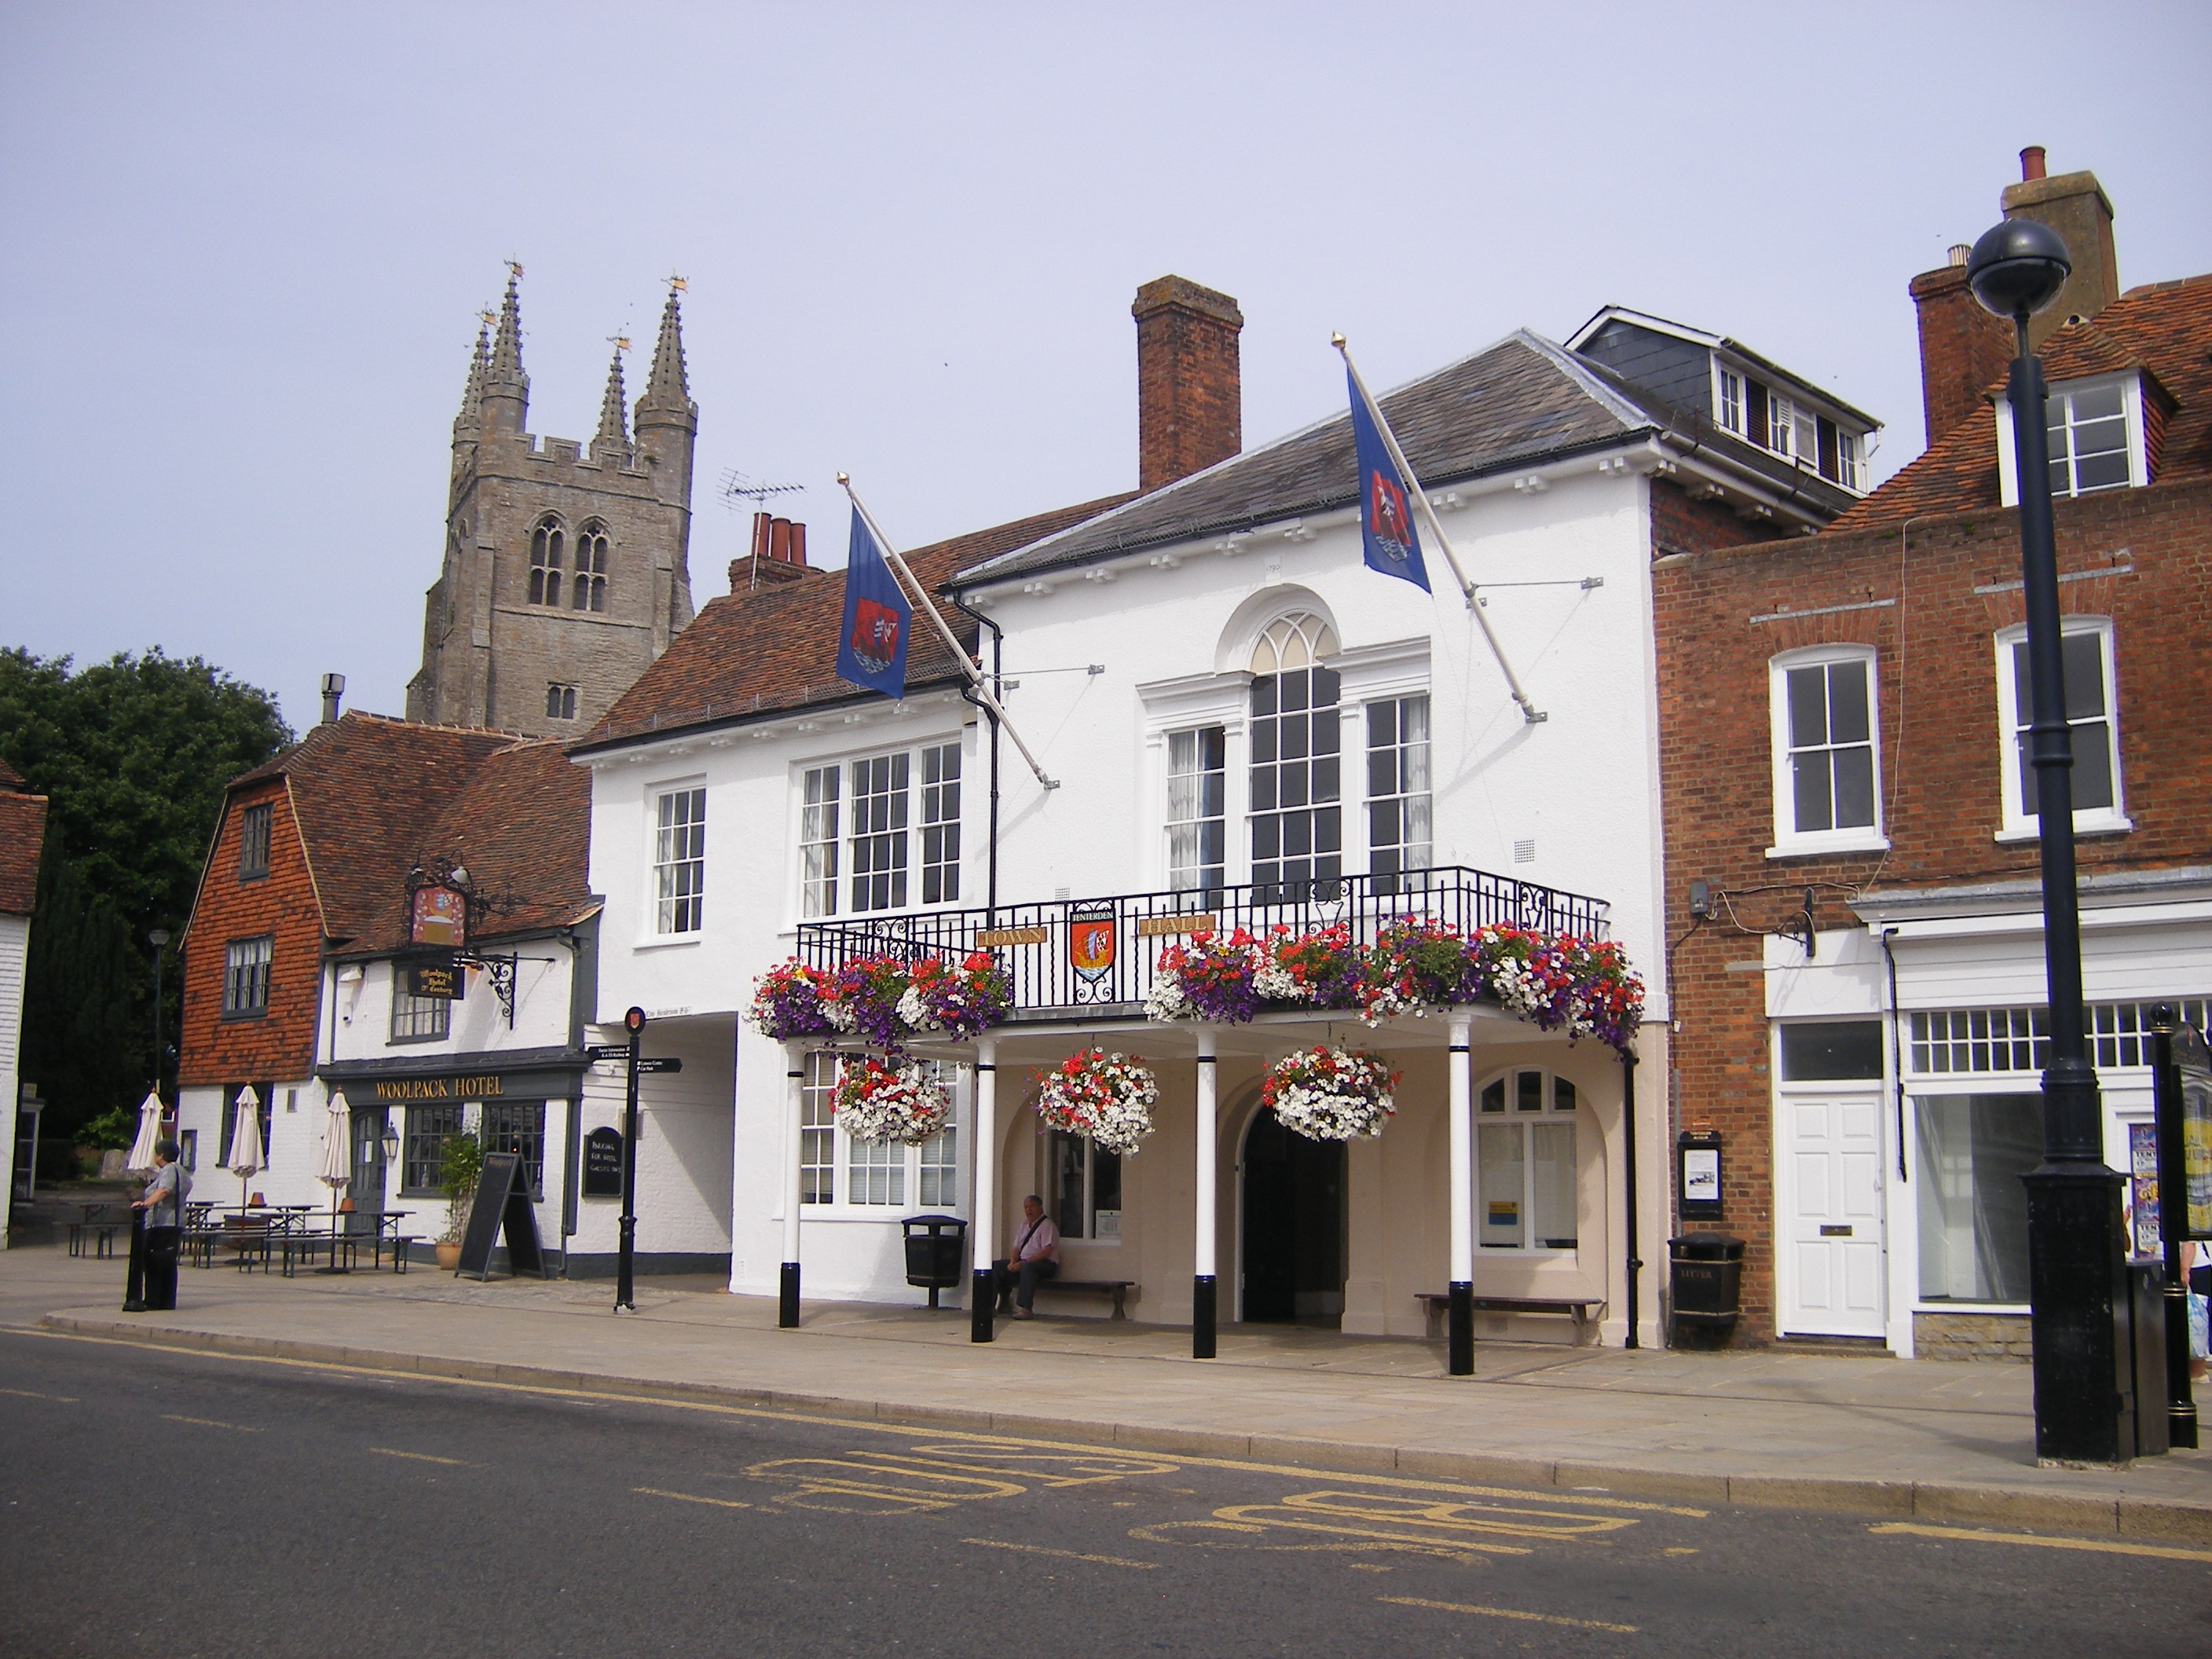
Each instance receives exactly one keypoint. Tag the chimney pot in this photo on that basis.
(2031, 163)
(1190, 409)
(333, 694)
(1959, 252)
(760, 534)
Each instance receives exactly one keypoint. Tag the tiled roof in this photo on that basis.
(374, 796)
(1520, 400)
(23, 834)
(9, 777)
(775, 647)
(2165, 328)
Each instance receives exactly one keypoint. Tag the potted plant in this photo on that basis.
(461, 1166)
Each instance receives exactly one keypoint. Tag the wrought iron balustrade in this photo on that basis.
(1096, 953)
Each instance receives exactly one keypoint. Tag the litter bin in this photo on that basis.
(1705, 1281)
(936, 1250)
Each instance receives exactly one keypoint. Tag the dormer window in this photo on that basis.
(2088, 440)
(2095, 429)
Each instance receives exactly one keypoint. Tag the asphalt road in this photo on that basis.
(176, 1505)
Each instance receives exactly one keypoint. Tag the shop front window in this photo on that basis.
(1973, 1206)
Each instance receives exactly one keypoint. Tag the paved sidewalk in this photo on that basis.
(1926, 1439)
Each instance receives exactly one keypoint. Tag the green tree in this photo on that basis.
(133, 754)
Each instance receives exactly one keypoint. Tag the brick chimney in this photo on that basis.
(779, 554)
(2076, 206)
(1963, 349)
(1190, 398)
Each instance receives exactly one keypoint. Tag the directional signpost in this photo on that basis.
(626, 1253)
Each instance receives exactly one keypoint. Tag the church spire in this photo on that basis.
(667, 389)
(506, 393)
(465, 423)
(614, 408)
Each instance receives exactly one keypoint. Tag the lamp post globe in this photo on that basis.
(2018, 268)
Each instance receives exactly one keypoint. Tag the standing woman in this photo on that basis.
(163, 1200)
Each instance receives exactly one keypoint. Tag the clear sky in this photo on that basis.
(241, 248)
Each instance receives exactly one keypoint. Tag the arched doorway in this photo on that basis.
(1293, 1223)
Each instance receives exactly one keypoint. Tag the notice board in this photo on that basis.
(502, 1204)
(603, 1163)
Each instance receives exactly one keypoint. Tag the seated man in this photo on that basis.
(1035, 1257)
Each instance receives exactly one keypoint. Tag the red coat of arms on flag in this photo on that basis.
(875, 634)
(1091, 944)
(1394, 527)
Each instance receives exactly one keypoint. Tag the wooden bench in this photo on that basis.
(1118, 1289)
(98, 1235)
(1438, 1305)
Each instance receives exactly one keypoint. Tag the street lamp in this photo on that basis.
(2077, 1276)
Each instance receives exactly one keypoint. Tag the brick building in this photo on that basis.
(1852, 872)
(297, 979)
(566, 568)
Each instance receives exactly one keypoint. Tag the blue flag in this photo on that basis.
(1386, 516)
(871, 650)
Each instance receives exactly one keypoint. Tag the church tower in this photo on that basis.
(566, 567)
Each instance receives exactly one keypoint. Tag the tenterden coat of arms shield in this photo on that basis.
(1091, 944)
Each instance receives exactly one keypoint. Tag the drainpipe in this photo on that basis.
(968, 694)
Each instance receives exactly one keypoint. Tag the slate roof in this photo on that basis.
(774, 647)
(1524, 400)
(22, 836)
(373, 797)
(2165, 328)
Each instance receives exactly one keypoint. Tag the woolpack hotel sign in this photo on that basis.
(488, 1086)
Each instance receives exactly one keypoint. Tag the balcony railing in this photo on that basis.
(1100, 954)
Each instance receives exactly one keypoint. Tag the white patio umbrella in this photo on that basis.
(335, 1167)
(246, 1160)
(141, 1162)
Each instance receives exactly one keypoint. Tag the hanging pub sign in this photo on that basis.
(1698, 1172)
(440, 976)
(440, 917)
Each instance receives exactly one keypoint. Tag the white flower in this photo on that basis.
(1276, 983)
(912, 1011)
(840, 1014)
(1165, 1000)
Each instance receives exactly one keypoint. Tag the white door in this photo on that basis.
(1832, 1230)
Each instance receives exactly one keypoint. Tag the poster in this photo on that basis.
(2143, 1189)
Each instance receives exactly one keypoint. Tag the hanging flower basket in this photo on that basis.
(1108, 1097)
(1331, 1094)
(787, 1002)
(879, 1100)
(1209, 978)
(960, 1002)
(1320, 969)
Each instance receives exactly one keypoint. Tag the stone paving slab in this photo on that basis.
(1889, 1438)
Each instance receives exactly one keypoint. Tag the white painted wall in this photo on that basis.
(15, 950)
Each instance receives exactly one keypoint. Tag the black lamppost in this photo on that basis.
(2077, 1275)
(134, 1285)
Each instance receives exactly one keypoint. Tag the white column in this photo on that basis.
(983, 1210)
(1463, 1154)
(794, 1143)
(1204, 1285)
(1459, 1356)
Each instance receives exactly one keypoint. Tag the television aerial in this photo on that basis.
(737, 489)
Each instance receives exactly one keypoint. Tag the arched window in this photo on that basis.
(548, 542)
(1297, 827)
(591, 589)
(1527, 1190)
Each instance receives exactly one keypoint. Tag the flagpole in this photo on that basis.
(1529, 712)
(975, 677)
